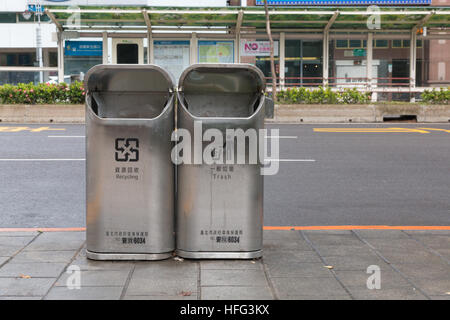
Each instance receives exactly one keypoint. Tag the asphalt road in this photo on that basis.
(399, 177)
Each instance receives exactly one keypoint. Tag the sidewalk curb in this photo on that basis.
(285, 113)
(358, 113)
(42, 113)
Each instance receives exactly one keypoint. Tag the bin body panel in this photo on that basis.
(220, 206)
(130, 189)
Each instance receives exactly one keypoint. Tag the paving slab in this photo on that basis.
(282, 235)
(32, 269)
(249, 278)
(443, 297)
(103, 278)
(304, 264)
(60, 241)
(44, 256)
(334, 239)
(231, 264)
(91, 265)
(434, 241)
(290, 266)
(358, 279)
(434, 286)
(315, 288)
(326, 232)
(3, 260)
(25, 287)
(236, 293)
(342, 250)
(286, 245)
(382, 234)
(433, 271)
(179, 297)
(407, 293)
(31, 234)
(164, 278)
(354, 262)
(11, 245)
(19, 298)
(85, 293)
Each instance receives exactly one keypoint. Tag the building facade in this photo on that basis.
(323, 46)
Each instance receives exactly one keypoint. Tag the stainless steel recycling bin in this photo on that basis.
(130, 176)
(220, 207)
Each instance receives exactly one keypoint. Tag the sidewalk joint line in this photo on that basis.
(16, 253)
(127, 282)
(272, 288)
(305, 237)
(199, 281)
(428, 248)
(65, 269)
(378, 253)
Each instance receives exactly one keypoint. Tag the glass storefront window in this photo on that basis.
(347, 66)
(303, 62)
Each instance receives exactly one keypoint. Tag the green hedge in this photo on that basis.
(42, 93)
(322, 95)
(441, 96)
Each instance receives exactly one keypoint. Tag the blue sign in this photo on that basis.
(34, 8)
(84, 48)
(341, 2)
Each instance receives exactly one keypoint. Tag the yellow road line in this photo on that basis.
(20, 129)
(435, 129)
(370, 130)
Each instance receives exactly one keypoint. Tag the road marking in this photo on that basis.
(20, 129)
(435, 129)
(281, 137)
(289, 160)
(370, 130)
(67, 136)
(282, 228)
(28, 160)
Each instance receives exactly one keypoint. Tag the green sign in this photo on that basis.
(359, 52)
(216, 51)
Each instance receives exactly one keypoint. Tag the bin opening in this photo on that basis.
(128, 91)
(222, 90)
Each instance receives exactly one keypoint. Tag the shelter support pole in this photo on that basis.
(60, 41)
(326, 57)
(282, 56)
(412, 63)
(194, 48)
(105, 47)
(369, 64)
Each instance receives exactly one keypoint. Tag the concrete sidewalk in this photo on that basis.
(296, 265)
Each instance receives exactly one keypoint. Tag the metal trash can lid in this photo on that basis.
(222, 78)
(136, 78)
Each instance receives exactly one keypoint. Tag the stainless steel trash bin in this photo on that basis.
(220, 207)
(129, 172)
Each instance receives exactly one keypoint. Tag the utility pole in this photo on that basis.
(272, 58)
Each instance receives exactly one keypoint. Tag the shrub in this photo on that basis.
(322, 95)
(441, 96)
(43, 93)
